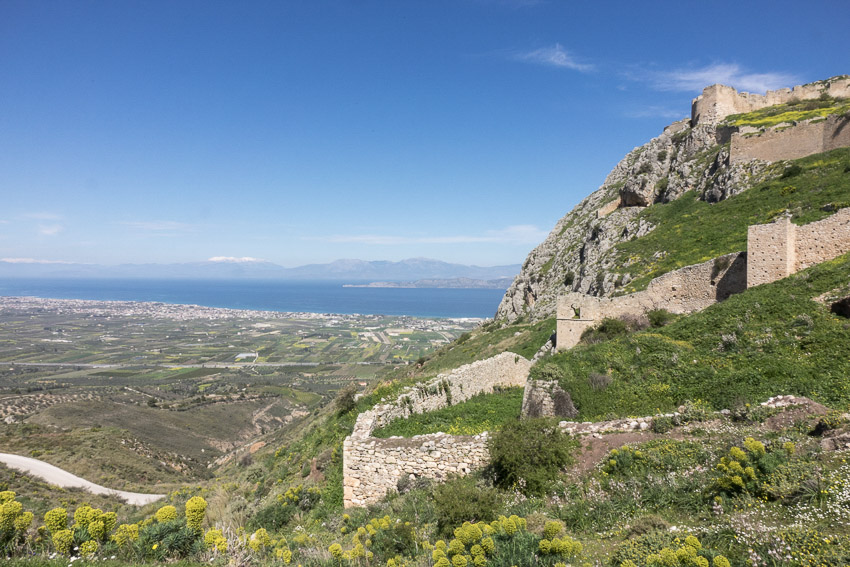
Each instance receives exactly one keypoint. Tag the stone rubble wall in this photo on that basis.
(771, 251)
(774, 251)
(823, 240)
(686, 290)
(373, 466)
(506, 369)
(719, 101)
(538, 400)
(781, 248)
(801, 140)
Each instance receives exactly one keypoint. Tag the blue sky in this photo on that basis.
(306, 131)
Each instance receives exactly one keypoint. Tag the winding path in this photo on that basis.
(59, 477)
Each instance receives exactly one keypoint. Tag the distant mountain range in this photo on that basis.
(465, 283)
(350, 271)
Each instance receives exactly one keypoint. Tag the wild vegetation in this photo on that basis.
(752, 486)
(791, 112)
(689, 230)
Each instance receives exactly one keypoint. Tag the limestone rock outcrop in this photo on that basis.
(689, 155)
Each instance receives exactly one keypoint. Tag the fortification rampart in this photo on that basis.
(792, 142)
(774, 251)
(719, 101)
(686, 290)
(373, 466)
(781, 248)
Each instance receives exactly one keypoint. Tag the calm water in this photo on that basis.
(315, 297)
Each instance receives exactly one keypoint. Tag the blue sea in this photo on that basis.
(298, 296)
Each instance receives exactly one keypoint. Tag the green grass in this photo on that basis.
(484, 412)
(691, 231)
(772, 339)
(791, 112)
(485, 342)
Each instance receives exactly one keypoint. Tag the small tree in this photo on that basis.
(529, 454)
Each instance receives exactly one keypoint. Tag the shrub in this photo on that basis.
(462, 500)
(56, 519)
(659, 317)
(606, 329)
(165, 514)
(662, 424)
(599, 381)
(196, 508)
(529, 454)
(169, 539)
(344, 401)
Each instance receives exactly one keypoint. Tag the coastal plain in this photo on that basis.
(147, 396)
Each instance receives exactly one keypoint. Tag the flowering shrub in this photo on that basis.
(259, 540)
(125, 535)
(165, 514)
(14, 521)
(62, 541)
(196, 507)
(56, 519)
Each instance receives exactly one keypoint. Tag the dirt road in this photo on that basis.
(59, 477)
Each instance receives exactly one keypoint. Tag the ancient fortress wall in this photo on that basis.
(781, 248)
(719, 101)
(373, 466)
(793, 142)
(774, 251)
(686, 290)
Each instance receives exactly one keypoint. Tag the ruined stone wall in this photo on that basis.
(608, 208)
(506, 369)
(774, 251)
(540, 400)
(373, 466)
(823, 240)
(793, 142)
(686, 290)
(719, 101)
(781, 248)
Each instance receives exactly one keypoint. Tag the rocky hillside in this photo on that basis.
(690, 156)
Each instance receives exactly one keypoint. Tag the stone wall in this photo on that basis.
(719, 101)
(546, 398)
(686, 290)
(792, 142)
(506, 369)
(373, 466)
(774, 251)
(781, 248)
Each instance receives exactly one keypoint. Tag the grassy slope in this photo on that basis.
(772, 339)
(484, 412)
(691, 231)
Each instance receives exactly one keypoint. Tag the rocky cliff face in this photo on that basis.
(576, 256)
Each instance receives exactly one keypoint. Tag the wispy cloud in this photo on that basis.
(50, 229)
(554, 56)
(32, 261)
(42, 216)
(518, 234)
(654, 111)
(235, 259)
(730, 74)
(159, 226)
